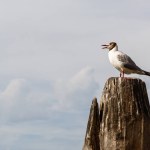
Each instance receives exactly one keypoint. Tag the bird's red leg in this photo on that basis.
(120, 74)
(123, 74)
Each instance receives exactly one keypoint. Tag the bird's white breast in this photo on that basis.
(113, 58)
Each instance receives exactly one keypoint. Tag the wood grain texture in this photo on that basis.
(123, 121)
(124, 115)
(92, 133)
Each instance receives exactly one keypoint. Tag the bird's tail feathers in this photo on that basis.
(146, 73)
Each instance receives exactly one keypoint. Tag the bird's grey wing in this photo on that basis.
(132, 67)
(128, 62)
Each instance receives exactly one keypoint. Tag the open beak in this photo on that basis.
(105, 46)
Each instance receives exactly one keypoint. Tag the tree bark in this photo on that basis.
(124, 119)
(92, 133)
(124, 115)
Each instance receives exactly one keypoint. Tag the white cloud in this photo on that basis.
(23, 99)
(26, 108)
(77, 91)
(20, 101)
(15, 88)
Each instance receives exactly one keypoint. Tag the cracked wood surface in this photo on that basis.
(92, 133)
(124, 119)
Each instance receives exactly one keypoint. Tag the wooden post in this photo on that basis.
(124, 115)
(92, 133)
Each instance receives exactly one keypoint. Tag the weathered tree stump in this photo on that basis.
(92, 133)
(124, 116)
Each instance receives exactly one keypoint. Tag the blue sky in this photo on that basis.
(52, 65)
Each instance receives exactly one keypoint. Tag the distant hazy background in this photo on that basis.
(52, 65)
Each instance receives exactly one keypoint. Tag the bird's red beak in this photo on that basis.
(105, 46)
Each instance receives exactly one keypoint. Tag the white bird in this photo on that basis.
(122, 61)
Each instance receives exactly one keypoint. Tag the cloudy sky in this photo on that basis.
(52, 65)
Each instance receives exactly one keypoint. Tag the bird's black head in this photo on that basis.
(109, 46)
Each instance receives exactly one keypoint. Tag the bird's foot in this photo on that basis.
(122, 73)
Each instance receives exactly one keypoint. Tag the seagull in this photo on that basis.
(122, 61)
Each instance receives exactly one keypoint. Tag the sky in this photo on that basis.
(52, 65)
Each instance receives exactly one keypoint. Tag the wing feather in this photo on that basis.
(127, 62)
